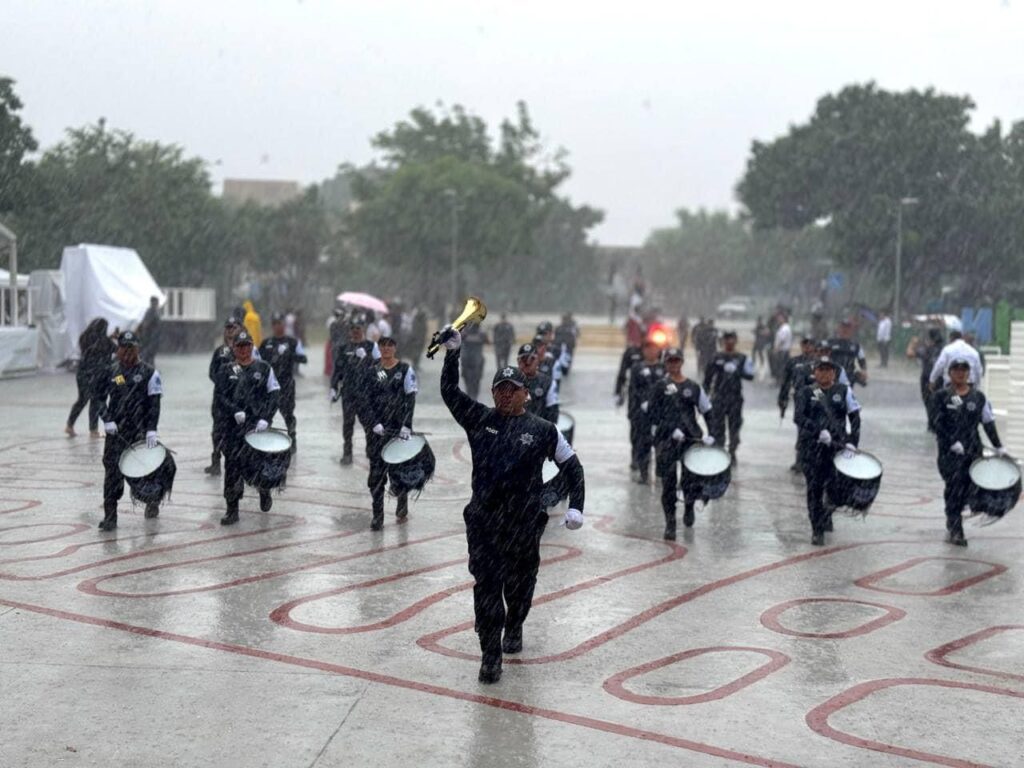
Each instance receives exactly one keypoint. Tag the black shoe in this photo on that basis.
(490, 669)
(402, 511)
(230, 518)
(957, 539)
(828, 524)
(213, 470)
(346, 458)
(795, 468)
(377, 523)
(266, 501)
(152, 510)
(688, 517)
(670, 528)
(818, 539)
(108, 524)
(513, 640)
(642, 480)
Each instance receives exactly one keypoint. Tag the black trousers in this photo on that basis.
(727, 413)
(349, 407)
(377, 480)
(955, 471)
(234, 464)
(641, 440)
(286, 405)
(113, 480)
(816, 463)
(222, 424)
(504, 557)
(669, 466)
(87, 393)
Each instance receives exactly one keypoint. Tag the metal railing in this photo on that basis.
(189, 305)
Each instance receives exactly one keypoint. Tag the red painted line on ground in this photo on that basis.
(818, 717)
(90, 586)
(871, 580)
(604, 726)
(939, 655)
(51, 485)
(770, 618)
(75, 528)
(282, 614)
(615, 685)
(28, 504)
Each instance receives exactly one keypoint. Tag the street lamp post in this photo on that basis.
(904, 201)
(453, 198)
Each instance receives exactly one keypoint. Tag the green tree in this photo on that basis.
(16, 141)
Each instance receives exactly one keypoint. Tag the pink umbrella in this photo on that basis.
(363, 300)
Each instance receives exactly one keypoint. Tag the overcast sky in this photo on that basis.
(657, 103)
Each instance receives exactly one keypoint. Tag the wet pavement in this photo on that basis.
(301, 638)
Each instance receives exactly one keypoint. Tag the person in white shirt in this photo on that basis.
(781, 345)
(957, 349)
(884, 337)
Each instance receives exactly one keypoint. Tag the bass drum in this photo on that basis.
(706, 472)
(267, 456)
(567, 426)
(148, 471)
(995, 485)
(410, 464)
(856, 480)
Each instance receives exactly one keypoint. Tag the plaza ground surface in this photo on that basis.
(300, 638)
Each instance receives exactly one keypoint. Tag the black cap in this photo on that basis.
(509, 373)
(357, 321)
(808, 340)
(277, 317)
(127, 339)
(674, 353)
(539, 340)
(824, 361)
(729, 335)
(526, 350)
(242, 338)
(231, 322)
(387, 341)
(960, 363)
(545, 327)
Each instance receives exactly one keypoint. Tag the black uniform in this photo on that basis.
(222, 420)
(543, 400)
(131, 400)
(504, 338)
(505, 518)
(848, 355)
(566, 336)
(348, 382)
(927, 354)
(797, 374)
(723, 381)
(252, 389)
(284, 354)
(90, 377)
(818, 411)
(675, 405)
(643, 381)
(390, 400)
(473, 340)
(955, 419)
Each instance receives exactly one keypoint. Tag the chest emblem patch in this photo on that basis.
(972, 406)
(687, 392)
(526, 439)
(257, 375)
(836, 398)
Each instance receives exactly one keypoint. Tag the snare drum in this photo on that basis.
(706, 472)
(266, 458)
(995, 485)
(855, 481)
(567, 426)
(149, 471)
(410, 464)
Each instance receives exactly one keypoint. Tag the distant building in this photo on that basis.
(260, 191)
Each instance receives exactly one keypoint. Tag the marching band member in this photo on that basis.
(352, 361)
(644, 377)
(797, 374)
(284, 353)
(849, 355)
(223, 420)
(543, 401)
(723, 381)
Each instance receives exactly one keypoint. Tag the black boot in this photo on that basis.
(377, 522)
(266, 501)
(956, 537)
(513, 640)
(670, 526)
(818, 538)
(490, 669)
(295, 443)
(402, 511)
(346, 456)
(109, 521)
(688, 516)
(214, 469)
(231, 517)
(152, 510)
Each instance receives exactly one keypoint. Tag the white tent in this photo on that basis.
(104, 281)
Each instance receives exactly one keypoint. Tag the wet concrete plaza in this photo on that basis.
(300, 638)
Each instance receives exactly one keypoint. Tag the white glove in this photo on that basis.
(824, 437)
(1000, 451)
(573, 519)
(455, 341)
(678, 435)
(334, 395)
(708, 440)
(360, 353)
(261, 426)
(282, 348)
(644, 406)
(850, 448)
(151, 439)
(654, 430)
(729, 367)
(110, 427)
(378, 429)
(957, 448)
(404, 433)
(240, 417)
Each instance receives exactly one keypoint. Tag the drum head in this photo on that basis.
(565, 422)
(706, 460)
(399, 451)
(860, 466)
(140, 461)
(269, 441)
(995, 473)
